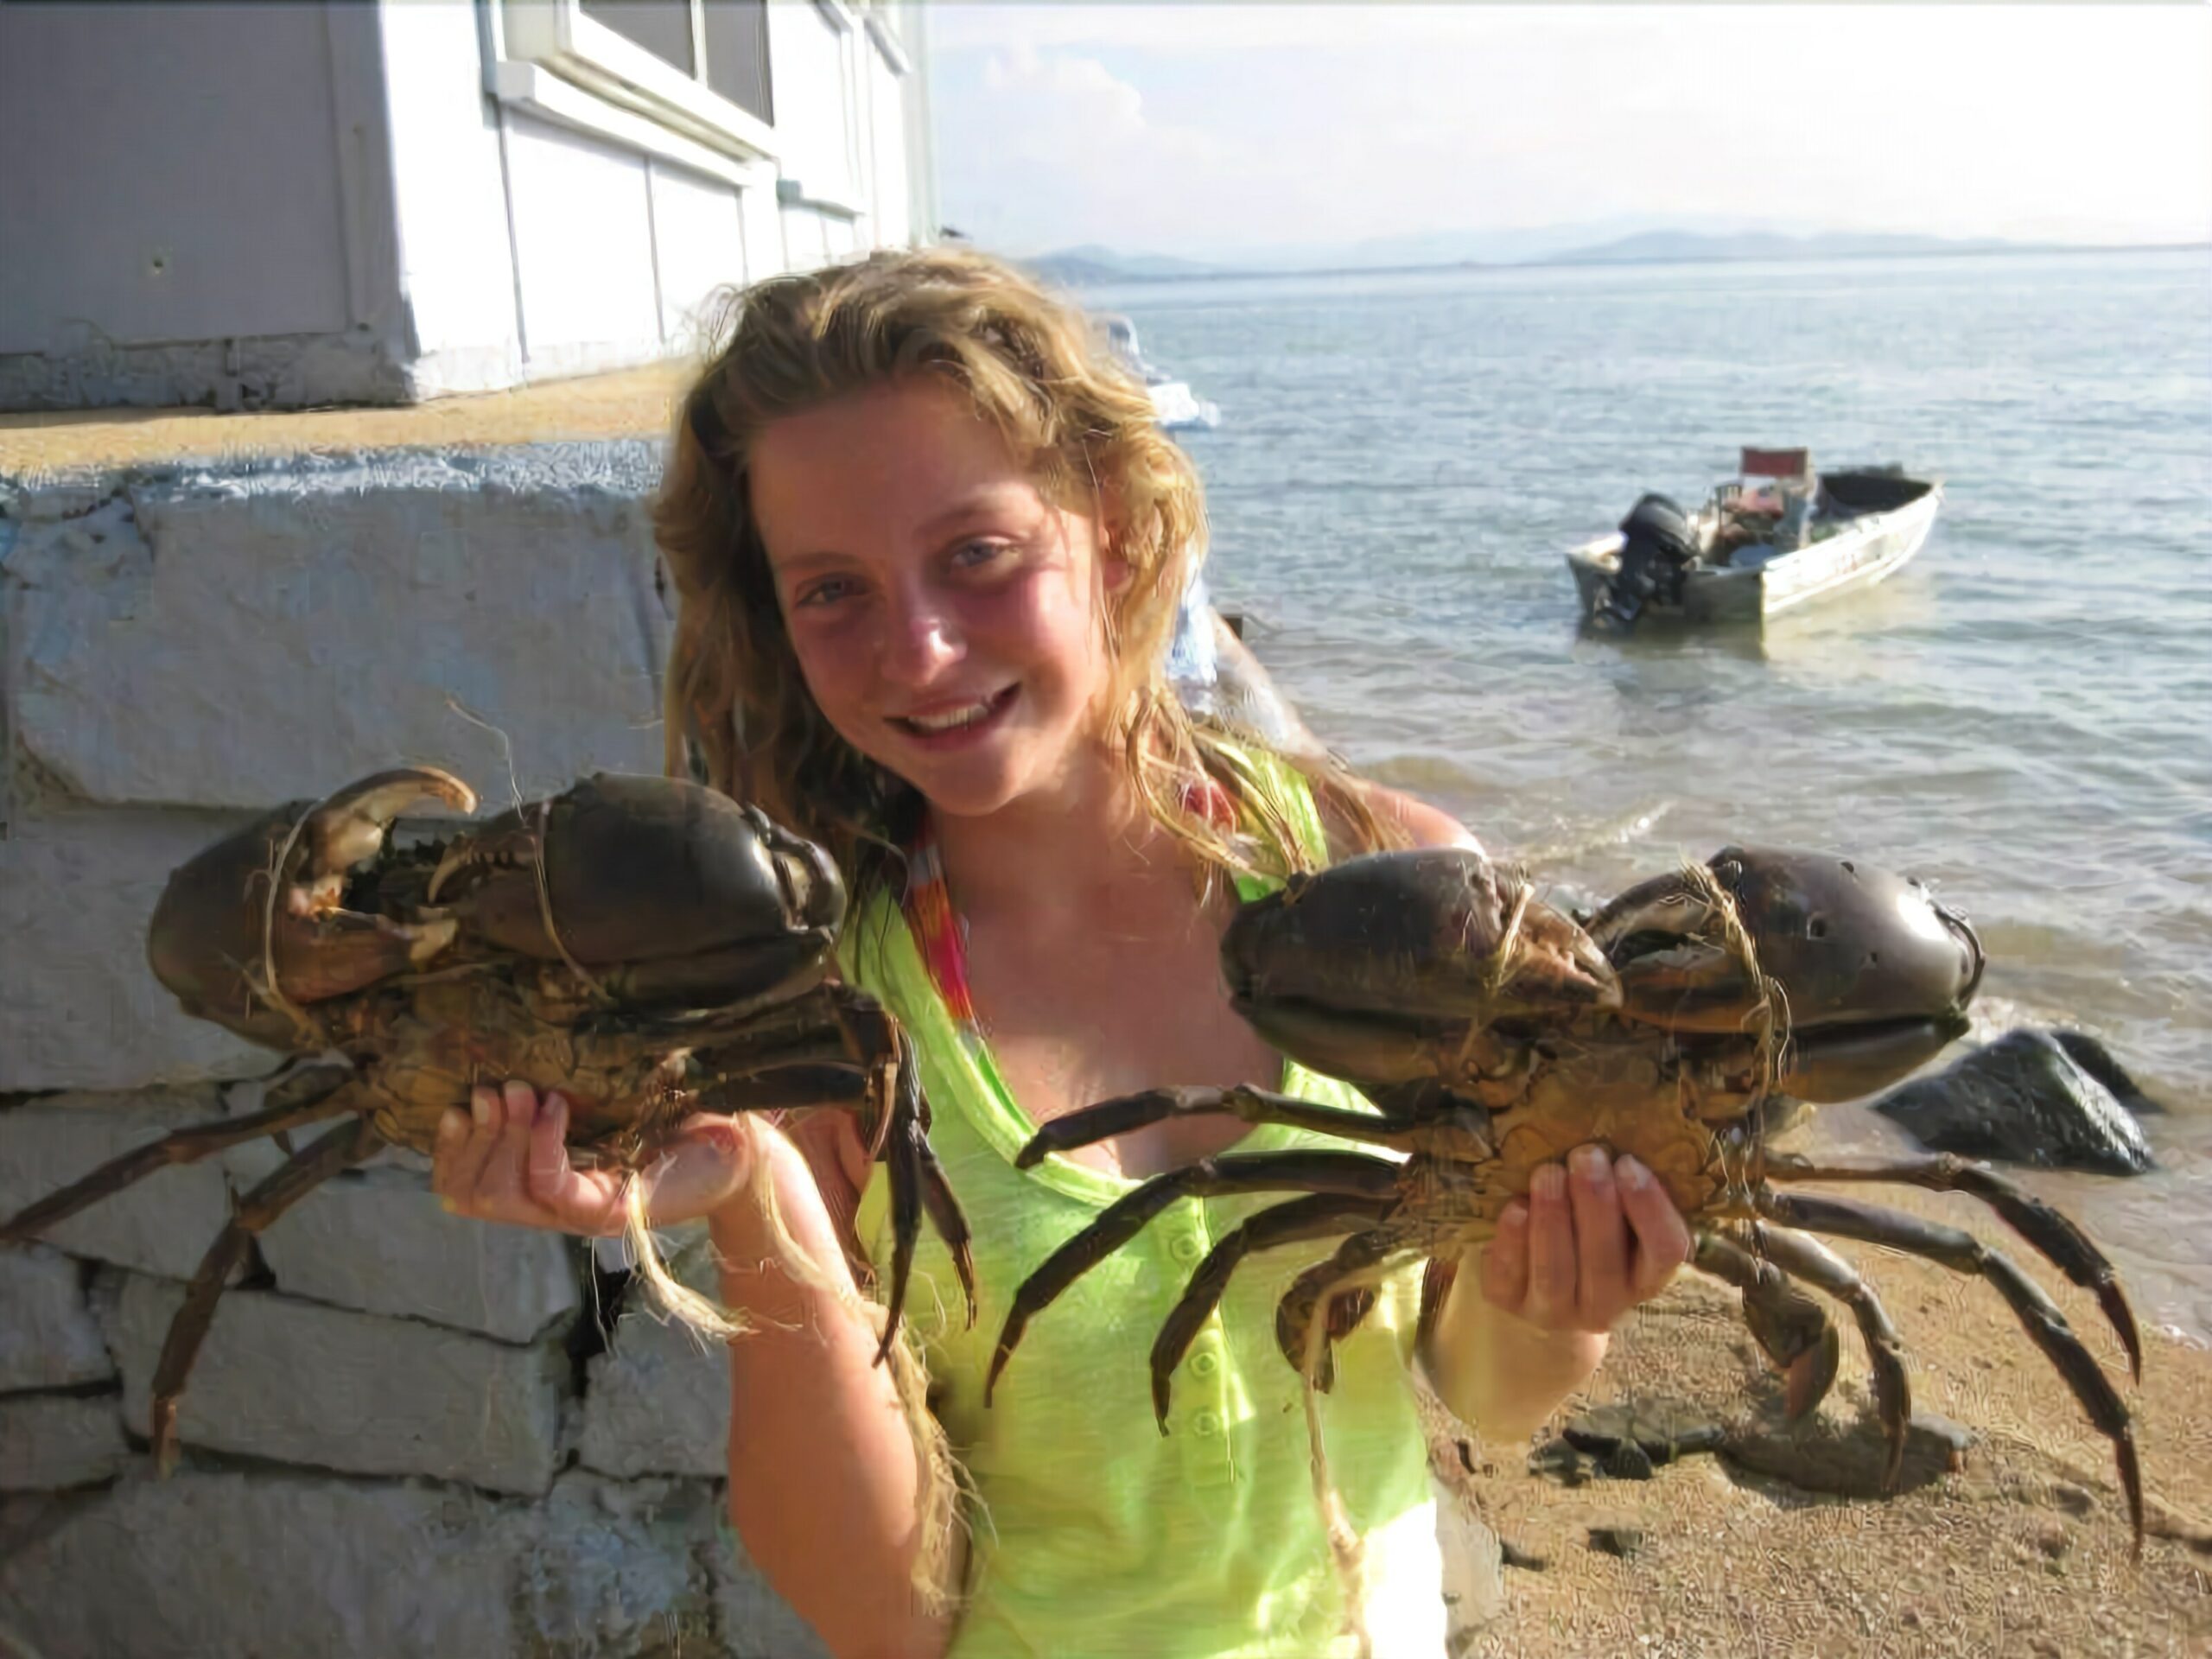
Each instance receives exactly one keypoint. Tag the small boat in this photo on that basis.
(1175, 406)
(1778, 537)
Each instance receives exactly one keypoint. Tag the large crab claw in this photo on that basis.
(662, 889)
(1875, 973)
(254, 930)
(1365, 970)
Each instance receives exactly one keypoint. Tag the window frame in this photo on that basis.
(549, 57)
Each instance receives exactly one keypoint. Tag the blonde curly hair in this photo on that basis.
(739, 714)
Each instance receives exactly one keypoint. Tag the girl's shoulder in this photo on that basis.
(1316, 821)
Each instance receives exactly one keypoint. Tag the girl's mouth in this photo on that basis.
(951, 727)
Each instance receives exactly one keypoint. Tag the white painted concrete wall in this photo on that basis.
(274, 206)
(455, 256)
(891, 184)
(405, 1439)
(807, 51)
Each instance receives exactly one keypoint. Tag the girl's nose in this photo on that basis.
(920, 643)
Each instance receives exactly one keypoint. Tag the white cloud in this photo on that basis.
(1054, 131)
(1208, 128)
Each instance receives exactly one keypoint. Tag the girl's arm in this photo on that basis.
(823, 1484)
(1424, 825)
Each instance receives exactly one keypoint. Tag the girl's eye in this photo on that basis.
(828, 591)
(975, 556)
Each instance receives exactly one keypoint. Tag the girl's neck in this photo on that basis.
(1054, 849)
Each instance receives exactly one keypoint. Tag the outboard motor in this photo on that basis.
(1657, 550)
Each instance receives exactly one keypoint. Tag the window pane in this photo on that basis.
(737, 55)
(662, 26)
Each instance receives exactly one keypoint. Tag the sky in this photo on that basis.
(1209, 130)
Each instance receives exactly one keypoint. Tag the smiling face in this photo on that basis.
(948, 617)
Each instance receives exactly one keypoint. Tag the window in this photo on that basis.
(737, 53)
(697, 81)
(662, 26)
(695, 69)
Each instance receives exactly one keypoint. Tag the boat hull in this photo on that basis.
(1867, 549)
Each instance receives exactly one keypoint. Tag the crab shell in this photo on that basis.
(636, 869)
(662, 885)
(1873, 973)
(1403, 966)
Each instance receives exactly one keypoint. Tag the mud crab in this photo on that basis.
(1493, 1033)
(646, 945)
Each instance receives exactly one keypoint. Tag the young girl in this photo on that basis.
(929, 546)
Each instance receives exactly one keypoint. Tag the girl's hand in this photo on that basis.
(507, 1160)
(1592, 1240)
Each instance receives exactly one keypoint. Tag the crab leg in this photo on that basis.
(1345, 1175)
(1963, 1253)
(306, 1097)
(816, 1081)
(1791, 1329)
(1815, 1263)
(894, 1094)
(858, 1060)
(2052, 1232)
(339, 1148)
(943, 1208)
(743, 982)
(1323, 1215)
(1090, 1124)
(1314, 1294)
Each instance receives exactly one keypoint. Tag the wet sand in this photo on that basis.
(2022, 1548)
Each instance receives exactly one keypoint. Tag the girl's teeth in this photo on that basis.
(946, 722)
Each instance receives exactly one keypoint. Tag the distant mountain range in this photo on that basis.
(1092, 263)
(1654, 246)
(1603, 243)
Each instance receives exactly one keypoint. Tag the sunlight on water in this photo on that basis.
(2020, 716)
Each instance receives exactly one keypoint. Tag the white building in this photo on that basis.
(275, 206)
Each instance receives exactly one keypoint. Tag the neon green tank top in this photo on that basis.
(1090, 1533)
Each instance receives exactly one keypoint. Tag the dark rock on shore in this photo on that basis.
(1848, 1460)
(2050, 1099)
(2096, 1059)
(1630, 1440)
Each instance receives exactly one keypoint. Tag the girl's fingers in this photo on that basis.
(1662, 1237)
(463, 1171)
(453, 1134)
(550, 1182)
(1600, 1238)
(1505, 1260)
(500, 1185)
(1551, 1251)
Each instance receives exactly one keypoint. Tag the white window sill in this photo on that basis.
(538, 92)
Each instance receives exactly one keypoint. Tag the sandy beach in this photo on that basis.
(1778, 1544)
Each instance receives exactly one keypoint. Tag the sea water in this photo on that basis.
(2023, 716)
